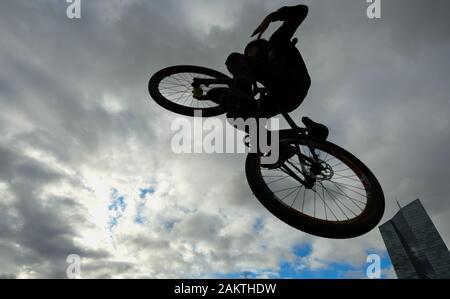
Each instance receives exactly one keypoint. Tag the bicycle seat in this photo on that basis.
(318, 131)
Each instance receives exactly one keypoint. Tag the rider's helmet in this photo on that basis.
(258, 48)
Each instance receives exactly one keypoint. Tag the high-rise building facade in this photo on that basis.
(414, 245)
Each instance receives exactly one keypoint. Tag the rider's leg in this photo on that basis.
(247, 70)
(239, 66)
(240, 103)
(244, 70)
(237, 104)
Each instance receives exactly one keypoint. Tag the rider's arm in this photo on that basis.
(293, 17)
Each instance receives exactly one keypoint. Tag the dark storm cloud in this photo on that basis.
(36, 234)
(54, 72)
(13, 165)
(418, 24)
(65, 66)
(106, 268)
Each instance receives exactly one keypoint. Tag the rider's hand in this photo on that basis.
(262, 27)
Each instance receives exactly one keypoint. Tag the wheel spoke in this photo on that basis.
(299, 187)
(345, 187)
(351, 178)
(335, 201)
(304, 196)
(177, 88)
(342, 199)
(325, 204)
(277, 180)
(285, 189)
(296, 196)
(353, 200)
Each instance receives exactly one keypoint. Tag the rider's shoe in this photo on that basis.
(213, 94)
(318, 131)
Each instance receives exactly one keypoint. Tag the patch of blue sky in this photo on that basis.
(266, 273)
(169, 224)
(143, 196)
(116, 207)
(112, 223)
(140, 218)
(332, 270)
(302, 250)
(291, 270)
(144, 191)
(118, 203)
(386, 263)
(258, 225)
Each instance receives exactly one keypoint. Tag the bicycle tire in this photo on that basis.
(352, 228)
(167, 103)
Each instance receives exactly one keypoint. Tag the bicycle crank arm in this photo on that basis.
(201, 81)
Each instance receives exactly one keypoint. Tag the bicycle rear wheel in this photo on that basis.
(346, 200)
(172, 89)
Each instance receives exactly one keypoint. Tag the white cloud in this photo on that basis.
(77, 122)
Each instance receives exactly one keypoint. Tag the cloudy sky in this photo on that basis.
(85, 160)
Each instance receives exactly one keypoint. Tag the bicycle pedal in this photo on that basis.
(197, 93)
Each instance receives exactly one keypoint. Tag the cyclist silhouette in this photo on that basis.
(315, 185)
(276, 63)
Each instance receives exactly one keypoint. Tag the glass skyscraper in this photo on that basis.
(414, 245)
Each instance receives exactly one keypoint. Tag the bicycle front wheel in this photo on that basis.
(346, 200)
(172, 89)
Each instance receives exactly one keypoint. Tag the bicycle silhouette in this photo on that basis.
(321, 189)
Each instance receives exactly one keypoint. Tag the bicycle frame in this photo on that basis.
(303, 132)
(301, 158)
(294, 131)
(199, 81)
